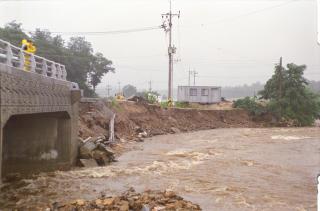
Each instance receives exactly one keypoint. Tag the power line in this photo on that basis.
(123, 31)
(223, 20)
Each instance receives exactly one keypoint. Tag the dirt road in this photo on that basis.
(221, 169)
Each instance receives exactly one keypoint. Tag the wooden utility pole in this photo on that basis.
(108, 90)
(119, 83)
(150, 86)
(189, 77)
(280, 85)
(171, 49)
(195, 73)
(280, 78)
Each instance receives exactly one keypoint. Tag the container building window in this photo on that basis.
(204, 92)
(193, 92)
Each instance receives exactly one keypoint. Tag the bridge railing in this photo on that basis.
(17, 57)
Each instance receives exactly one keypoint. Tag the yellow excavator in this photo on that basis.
(119, 96)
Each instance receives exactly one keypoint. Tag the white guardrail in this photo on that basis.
(18, 58)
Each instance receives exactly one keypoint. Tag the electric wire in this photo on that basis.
(124, 31)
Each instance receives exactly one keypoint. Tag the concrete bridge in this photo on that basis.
(38, 113)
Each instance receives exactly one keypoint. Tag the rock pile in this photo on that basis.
(95, 152)
(130, 200)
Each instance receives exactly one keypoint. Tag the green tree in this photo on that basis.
(289, 97)
(129, 90)
(82, 65)
(99, 66)
(12, 32)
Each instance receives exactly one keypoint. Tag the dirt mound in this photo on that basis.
(94, 119)
(134, 118)
(146, 201)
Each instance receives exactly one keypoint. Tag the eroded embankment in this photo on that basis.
(133, 118)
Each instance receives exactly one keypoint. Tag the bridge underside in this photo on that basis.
(36, 142)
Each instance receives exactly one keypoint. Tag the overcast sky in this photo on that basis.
(228, 42)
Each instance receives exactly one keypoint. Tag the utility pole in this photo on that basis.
(280, 78)
(280, 85)
(108, 90)
(194, 77)
(189, 76)
(167, 25)
(119, 83)
(150, 86)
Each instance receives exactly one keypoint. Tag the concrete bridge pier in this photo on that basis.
(39, 122)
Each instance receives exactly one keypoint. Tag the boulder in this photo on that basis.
(86, 149)
(138, 129)
(144, 134)
(88, 163)
(94, 148)
(175, 130)
(101, 158)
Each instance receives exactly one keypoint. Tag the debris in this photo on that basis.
(79, 202)
(87, 139)
(96, 149)
(86, 149)
(144, 134)
(88, 163)
(146, 208)
(108, 201)
(138, 139)
(130, 200)
(138, 129)
(13, 177)
(137, 99)
(124, 205)
(175, 130)
(101, 157)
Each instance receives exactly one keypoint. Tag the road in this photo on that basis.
(221, 169)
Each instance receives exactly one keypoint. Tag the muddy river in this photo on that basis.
(221, 169)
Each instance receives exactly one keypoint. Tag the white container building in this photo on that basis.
(199, 94)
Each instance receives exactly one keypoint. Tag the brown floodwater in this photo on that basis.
(221, 169)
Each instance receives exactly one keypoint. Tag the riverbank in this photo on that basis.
(134, 118)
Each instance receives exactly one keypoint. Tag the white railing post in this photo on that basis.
(59, 73)
(32, 63)
(9, 55)
(64, 72)
(21, 59)
(53, 70)
(44, 67)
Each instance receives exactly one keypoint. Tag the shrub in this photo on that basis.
(251, 105)
(151, 97)
(181, 104)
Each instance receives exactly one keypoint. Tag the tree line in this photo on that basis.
(234, 92)
(288, 97)
(83, 65)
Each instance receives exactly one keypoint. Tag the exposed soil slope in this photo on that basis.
(133, 118)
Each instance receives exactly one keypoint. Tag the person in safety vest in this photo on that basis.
(29, 48)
